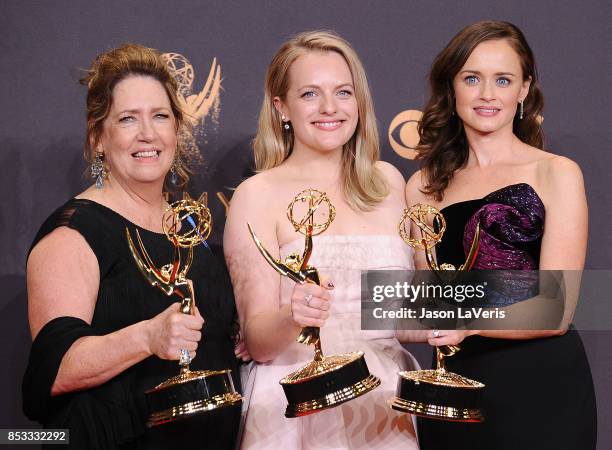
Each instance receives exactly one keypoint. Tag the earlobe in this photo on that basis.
(525, 88)
(97, 149)
(278, 105)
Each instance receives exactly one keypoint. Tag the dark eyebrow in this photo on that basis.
(476, 72)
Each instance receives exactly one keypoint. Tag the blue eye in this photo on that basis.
(345, 93)
(126, 119)
(471, 79)
(308, 94)
(503, 81)
(162, 116)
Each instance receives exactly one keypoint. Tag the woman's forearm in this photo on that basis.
(93, 360)
(407, 336)
(268, 333)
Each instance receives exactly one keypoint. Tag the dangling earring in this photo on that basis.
(284, 119)
(176, 164)
(98, 171)
(521, 110)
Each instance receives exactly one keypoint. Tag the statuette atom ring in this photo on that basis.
(316, 218)
(423, 216)
(194, 216)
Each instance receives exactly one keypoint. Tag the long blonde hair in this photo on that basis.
(363, 184)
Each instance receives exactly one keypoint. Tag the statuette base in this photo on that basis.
(327, 383)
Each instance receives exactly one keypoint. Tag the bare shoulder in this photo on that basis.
(392, 175)
(559, 171)
(255, 184)
(414, 188)
(560, 166)
(560, 179)
(70, 291)
(254, 192)
(250, 204)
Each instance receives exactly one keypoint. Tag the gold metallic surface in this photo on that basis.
(186, 377)
(287, 268)
(318, 214)
(333, 399)
(171, 278)
(186, 223)
(431, 225)
(311, 213)
(441, 378)
(315, 200)
(425, 217)
(192, 408)
(177, 213)
(430, 411)
(317, 368)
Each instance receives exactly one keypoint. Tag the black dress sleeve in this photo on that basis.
(114, 414)
(48, 349)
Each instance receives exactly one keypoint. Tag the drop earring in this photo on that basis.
(286, 122)
(98, 171)
(521, 110)
(176, 164)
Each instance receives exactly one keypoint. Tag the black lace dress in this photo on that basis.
(113, 415)
(539, 392)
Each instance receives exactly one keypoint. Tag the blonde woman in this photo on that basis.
(317, 130)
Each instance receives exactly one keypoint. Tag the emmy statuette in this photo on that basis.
(437, 394)
(186, 223)
(327, 381)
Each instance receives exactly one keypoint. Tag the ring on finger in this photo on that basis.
(308, 297)
(185, 358)
(436, 333)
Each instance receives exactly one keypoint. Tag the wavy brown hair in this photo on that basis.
(443, 146)
(108, 69)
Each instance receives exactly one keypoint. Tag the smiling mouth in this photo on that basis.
(486, 110)
(332, 125)
(147, 154)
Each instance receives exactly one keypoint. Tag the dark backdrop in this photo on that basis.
(44, 44)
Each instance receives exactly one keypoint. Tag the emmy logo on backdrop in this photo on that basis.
(186, 224)
(327, 381)
(437, 394)
(196, 106)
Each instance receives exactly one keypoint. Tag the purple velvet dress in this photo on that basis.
(539, 392)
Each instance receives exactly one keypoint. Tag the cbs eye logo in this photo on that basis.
(403, 134)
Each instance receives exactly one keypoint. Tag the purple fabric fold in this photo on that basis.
(512, 218)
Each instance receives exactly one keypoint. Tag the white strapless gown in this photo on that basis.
(366, 422)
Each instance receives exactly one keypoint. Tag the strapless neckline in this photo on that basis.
(355, 251)
(345, 238)
(496, 191)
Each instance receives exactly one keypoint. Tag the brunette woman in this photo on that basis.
(482, 163)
